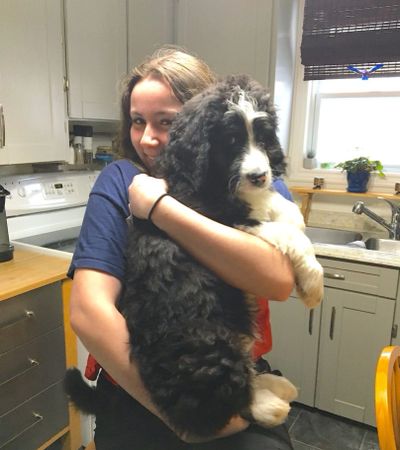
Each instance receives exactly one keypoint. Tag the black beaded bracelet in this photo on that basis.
(154, 206)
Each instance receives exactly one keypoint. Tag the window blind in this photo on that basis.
(360, 33)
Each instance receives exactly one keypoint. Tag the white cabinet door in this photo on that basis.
(31, 81)
(354, 329)
(232, 36)
(295, 336)
(150, 26)
(96, 37)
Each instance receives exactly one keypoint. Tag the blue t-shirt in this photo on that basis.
(103, 236)
(281, 187)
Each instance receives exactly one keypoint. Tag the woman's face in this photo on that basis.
(153, 108)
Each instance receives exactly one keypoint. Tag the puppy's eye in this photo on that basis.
(261, 144)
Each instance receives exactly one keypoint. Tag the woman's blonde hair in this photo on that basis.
(187, 75)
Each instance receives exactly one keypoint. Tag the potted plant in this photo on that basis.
(310, 162)
(359, 171)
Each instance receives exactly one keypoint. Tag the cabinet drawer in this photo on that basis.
(34, 422)
(375, 280)
(29, 315)
(31, 368)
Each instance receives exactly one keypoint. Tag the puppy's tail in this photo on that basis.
(84, 397)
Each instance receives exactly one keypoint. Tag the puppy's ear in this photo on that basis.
(184, 161)
(275, 153)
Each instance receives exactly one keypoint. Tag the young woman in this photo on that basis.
(154, 94)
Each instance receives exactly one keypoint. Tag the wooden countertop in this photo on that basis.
(31, 267)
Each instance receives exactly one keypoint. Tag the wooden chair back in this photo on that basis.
(387, 398)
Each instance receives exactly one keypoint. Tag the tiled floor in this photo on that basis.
(311, 429)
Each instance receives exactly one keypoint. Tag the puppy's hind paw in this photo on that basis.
(279, 385)
(268, 410)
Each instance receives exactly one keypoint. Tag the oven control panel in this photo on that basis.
(58, 188)
(45, 192)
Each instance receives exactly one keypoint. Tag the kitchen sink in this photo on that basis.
(331, 236)
(383, 245)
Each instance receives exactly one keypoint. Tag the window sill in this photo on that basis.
(307, 195)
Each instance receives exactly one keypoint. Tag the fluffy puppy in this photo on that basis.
(191, 333)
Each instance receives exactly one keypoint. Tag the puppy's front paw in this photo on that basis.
(294, 243)
(310, 282)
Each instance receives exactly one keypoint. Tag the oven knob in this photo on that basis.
(21, 191)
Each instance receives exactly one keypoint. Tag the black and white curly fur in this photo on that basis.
(191, 333)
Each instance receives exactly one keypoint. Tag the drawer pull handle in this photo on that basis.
(332, 325)
(38, 418)
(334, 276)
(25, 316)
(310, 322)
(31, 364)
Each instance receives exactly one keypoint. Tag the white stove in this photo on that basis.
(47, 210)
(46, 204)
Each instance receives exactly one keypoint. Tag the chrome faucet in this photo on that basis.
(393, 227)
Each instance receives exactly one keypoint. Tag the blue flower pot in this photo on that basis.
(357, 181)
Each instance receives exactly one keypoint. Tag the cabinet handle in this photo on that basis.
(2, 128)
(38, 418)
(334, 276)
(26, 316)
(66, 84)
(332, 325)
(310, 322)
(31, 364)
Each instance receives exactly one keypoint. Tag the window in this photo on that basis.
(353, 117)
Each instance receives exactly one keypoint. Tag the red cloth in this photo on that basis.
(263, 344)
(93, 369)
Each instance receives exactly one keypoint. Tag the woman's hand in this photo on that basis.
(235, 425)
(143, 193)
(240, 259)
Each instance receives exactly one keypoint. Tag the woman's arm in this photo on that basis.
(242, 260)
(103, 331)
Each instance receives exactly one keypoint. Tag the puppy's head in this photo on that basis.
(224, 141)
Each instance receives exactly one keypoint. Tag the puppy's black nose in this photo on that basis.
(257, 178)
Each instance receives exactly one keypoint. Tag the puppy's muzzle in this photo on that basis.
(258, 179)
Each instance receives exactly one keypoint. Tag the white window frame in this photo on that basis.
(301, 130)
(315, 106)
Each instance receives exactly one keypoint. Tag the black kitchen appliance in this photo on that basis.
(6, 249)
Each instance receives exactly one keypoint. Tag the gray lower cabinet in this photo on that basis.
(330, 353)
(354, 329)
(33, 406)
